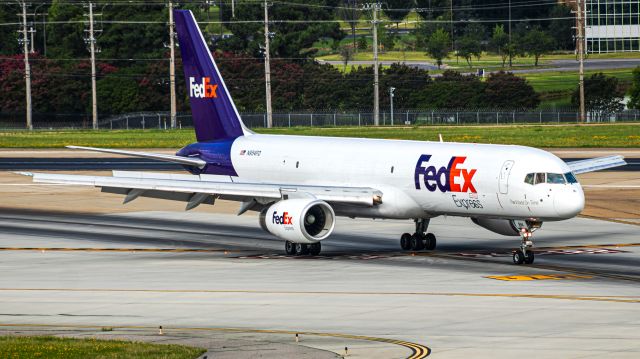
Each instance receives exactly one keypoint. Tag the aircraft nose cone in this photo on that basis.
(569, 202)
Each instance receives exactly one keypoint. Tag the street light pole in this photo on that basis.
(391, 89)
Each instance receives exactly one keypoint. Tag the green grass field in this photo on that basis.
(553, 81)
(618, 135)
(70, 348)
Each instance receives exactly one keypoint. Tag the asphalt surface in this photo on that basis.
(550, 66)
(142, 164)
(212, 271)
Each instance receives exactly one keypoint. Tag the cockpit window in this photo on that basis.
(571, 178)
(555, 178)
(529, 178)
(540, 178)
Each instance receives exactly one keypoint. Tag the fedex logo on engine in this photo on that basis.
(447, 179)
(284, 219)
(202, 90)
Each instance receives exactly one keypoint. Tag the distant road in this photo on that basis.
(555, 65)
(142, 164)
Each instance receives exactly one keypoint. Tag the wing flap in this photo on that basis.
(226, 190)
(596, 164)
(189, 161)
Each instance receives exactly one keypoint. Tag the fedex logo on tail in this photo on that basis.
(446, 179)
(202, 90)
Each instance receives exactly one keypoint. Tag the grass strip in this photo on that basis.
(71, 348)
(567, 136)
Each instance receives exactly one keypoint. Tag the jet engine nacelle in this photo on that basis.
(506, 227)
(299, 220)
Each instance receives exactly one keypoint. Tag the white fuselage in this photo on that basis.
(487, 180)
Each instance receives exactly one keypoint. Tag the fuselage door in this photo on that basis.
(503, 182)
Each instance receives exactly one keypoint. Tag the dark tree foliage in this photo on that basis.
(66, 40)
(634, 92)
(469, 45)
(603, 96)
(290, 39)
(397, 10)
(561, 29)
(535, 42)
(8, 37)
(359, 88)
(324, 87)
(408, 81)
(350, 12)
(432, 9)
(133, 41)
(56, 87)
(504, 90)
(453, 90)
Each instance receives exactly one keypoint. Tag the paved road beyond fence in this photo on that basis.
(161, 119)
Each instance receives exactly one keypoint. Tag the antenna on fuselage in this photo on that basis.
(440, 136)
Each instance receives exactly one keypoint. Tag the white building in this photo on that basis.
(612, 25)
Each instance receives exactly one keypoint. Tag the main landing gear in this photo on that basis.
(420, 239)
(524, 254)
(302, 249)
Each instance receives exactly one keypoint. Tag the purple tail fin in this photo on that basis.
(215, 116)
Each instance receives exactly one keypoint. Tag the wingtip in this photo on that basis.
(29, 174)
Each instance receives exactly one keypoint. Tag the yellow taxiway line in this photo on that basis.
(418, 351)
(596, 298)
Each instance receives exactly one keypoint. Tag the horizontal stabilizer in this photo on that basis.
(596, 164)
(188, 161)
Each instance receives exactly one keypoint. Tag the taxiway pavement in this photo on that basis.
(198, 270)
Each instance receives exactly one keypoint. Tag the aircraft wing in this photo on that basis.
(189, 161)
(206, 188)
(596, 164)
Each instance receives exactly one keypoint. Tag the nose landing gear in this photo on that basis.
(525, 253)
(420, 239)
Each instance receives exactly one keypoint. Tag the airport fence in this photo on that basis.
(162, 119)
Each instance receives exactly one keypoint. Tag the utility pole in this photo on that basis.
(510, 44)
(376, 95)
(172, 66)
(92, 48)
(267, 65)
(27, 67)
(581, 50)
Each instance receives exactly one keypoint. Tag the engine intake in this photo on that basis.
(299, 220)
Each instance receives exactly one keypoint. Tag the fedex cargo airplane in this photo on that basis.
(300, 184)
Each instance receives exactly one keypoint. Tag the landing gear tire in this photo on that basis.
(405, 241)
(302, 249)
(417, 242)
(518, 257)
(315, 248)
(430, 241)
(529, 257)
(290, 248)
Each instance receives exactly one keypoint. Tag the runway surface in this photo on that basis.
(215, 272)
(142, 164)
